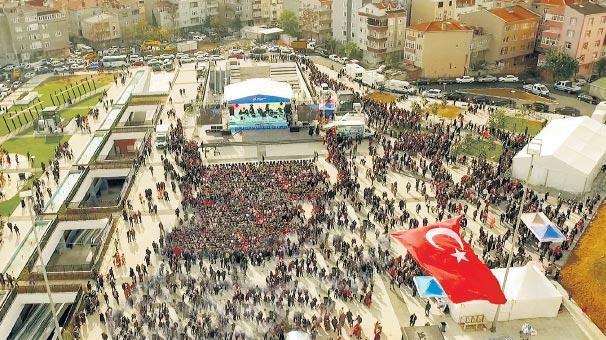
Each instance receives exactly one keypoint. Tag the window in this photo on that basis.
(587, 33)
(568, 45)
(507, 28)
(582, 57)
(590, 21)
(600, 31)
(570, 33)
(440, 4)
(503, 50)
(46, 44)
(573, 21)
(18, 29)
(450, 3)
(585, 46)
(603, 20)
(596, 43)
(595, 55)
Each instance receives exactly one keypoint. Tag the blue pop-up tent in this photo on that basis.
(428, 287)
(542, 228)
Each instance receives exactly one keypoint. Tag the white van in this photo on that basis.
(162, 136)
(399, 86)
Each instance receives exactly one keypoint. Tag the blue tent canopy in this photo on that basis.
(428, 287)
(542, 228)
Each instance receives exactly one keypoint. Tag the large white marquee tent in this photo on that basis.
(529, 295)
(572, 152)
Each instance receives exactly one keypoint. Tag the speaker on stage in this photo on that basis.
(295, 128)
(231, 110)
(226, 132)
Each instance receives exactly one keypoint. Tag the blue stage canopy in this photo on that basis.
(542, 228)
(258, 91)
(428, 287)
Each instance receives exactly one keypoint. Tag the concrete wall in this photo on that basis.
(455, 63)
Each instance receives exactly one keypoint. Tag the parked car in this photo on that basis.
(201, 58)
(538, 89)
(420, 81)
(16, 85)
(567, 111)
(481, 100)
(320, 52)
(567, 86)
(536, 106)
(579, 82)
(509, 79)
(29, 75)
(587, 98)
(187, 60)
(445, 81)
(433, 93)
(465, 79)
(458, 96)
(486, 79)
(77, 66)
(60, 69)
(333, 57)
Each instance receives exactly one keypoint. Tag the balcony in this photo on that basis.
(377, 37)
(377, 49)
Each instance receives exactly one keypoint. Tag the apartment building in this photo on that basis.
(30, 32)
(583, 33)
(422, 11)
(314, 17)
(266, 12)
(427, 42)
(513, 33)
(101, 29)
(344, 14)
(379, 31)
(126, 12)
(179, 14)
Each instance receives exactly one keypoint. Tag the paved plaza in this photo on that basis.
(197, 296)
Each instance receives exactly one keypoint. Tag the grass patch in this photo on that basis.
(381, 97)
(147, 100)
(583, 275)
(515, 124)
(81, 108)
(43, 148)
(480, 148)
(45, 89)
(444, 111)
(8, 207)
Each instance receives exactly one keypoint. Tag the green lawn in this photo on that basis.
(515, 124)
(480, 147)
(80, 108)
(7, 207)
(52, 85)
(43, 148)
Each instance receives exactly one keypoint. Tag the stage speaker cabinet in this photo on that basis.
(295, 128)
(226, 132)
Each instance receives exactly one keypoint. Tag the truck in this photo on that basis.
(399, 86)
(354, 71)
(350, 125)
(187, 46)
(299, 45)
(162, 136)
(567, 86)
(538, 89)
(373, 79)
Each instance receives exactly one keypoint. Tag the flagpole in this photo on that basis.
(533, 148)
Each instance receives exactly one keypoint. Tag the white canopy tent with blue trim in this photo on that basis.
(542, 228)
(258, 91)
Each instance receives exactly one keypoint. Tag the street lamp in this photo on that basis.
(28, 194)
(533, 149)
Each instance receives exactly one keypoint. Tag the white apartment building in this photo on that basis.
(344, 14)
(379, 29)
(179, 14)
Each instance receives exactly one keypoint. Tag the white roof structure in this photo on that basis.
(572, 152)
(599, 114)
(257, 91)
(529, 295)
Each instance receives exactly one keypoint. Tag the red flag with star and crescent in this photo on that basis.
(441, 251)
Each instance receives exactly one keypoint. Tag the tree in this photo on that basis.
(289, 23)
(561, 65)
(331, 45)
(352, 51)
(236, 24)
(207, 21)
(600, 66)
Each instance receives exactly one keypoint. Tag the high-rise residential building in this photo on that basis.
(127, 13)
(431, 10)
(180, 14)
(30, 32)
(379, 31)
(344, 14)
(315, 17)
(427, 42)
(513, 33)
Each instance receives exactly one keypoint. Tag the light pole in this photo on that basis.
(28, 194)
(533, 149)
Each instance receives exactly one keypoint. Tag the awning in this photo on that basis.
(258, 91)
(542, 228)
(428, 287)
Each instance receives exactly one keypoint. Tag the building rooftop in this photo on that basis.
(98, 18)
(588, 8)
(555, 2)
(440, 26)
(514, 13)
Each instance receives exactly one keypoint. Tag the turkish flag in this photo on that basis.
(441, 251)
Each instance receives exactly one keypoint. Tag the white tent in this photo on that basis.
(529, 295)
(572, 152)
(258, 91)
(599, 114)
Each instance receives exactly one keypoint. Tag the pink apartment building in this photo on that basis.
(577, 29)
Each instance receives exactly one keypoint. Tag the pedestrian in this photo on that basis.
(413, 319)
